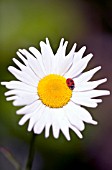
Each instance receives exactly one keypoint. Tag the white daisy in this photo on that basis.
(53, 89)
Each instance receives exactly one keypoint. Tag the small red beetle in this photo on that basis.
(70, 83)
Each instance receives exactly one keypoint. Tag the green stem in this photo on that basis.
(31, 153)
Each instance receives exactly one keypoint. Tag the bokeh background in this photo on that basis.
(86, 22)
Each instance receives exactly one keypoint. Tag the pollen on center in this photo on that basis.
(53, 91)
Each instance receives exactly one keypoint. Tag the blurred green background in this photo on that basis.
(86, 22)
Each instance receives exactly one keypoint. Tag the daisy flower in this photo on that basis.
(53, 89)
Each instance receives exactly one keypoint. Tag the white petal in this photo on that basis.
(31, 76)
(59, 121)
(36, 115)
(73, 118)
(47, 55)
(77, 68)
(20, 93)
(47, 129)
(21, 101)
(64, 65)
(59, 50)
(24, 98)
(39, 126)
(29, 108)
(66, 62)
(88, 85)
(33, 63)
(56, 129)
(48, 122)
(84, 101)
(23, 76)
(72, 51)
(86, 76)
(82, 113)
(3, 83)
(78, 55)
(20, 86)
(22, 58)
(71, 109)
(16, 73)
(20, 65)
(37, 54)
(65, 128)
(55, 122)
(91, 93)
(97, 100)
(50, 52)
(59, 58)
(24, 119)
(11, 98)
(76, 131)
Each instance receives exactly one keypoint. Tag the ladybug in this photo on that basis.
(70, 83)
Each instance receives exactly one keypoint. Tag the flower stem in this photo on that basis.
(31, 153)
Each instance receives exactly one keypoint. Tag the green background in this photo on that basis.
(26, 23)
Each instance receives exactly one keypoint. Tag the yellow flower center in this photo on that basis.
(53, 91)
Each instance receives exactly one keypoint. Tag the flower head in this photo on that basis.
(53, 88)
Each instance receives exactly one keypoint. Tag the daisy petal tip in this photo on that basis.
(81, 137)
(46, 136)
(30, 48)
(3, 83)
(47, 40)
(18, 112)
(29, 129)
(99, 101)
(105, 80)
(41, 43)
(20, 50)
(83, 48)
(66, 42)
(68, 138)
(91, 55)
(20, 123)
(75, 45)
(7, 99)
(82, 128)
(5, 94)
(94, 122)
(15, 103)
(99, 67)
(13, 59)
(107, 92)
(10, 68)
(56, 136)
(35, 130)
(61, 41)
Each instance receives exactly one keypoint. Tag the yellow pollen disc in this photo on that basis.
(53, 91)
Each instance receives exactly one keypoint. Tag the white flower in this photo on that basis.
(53, 89)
